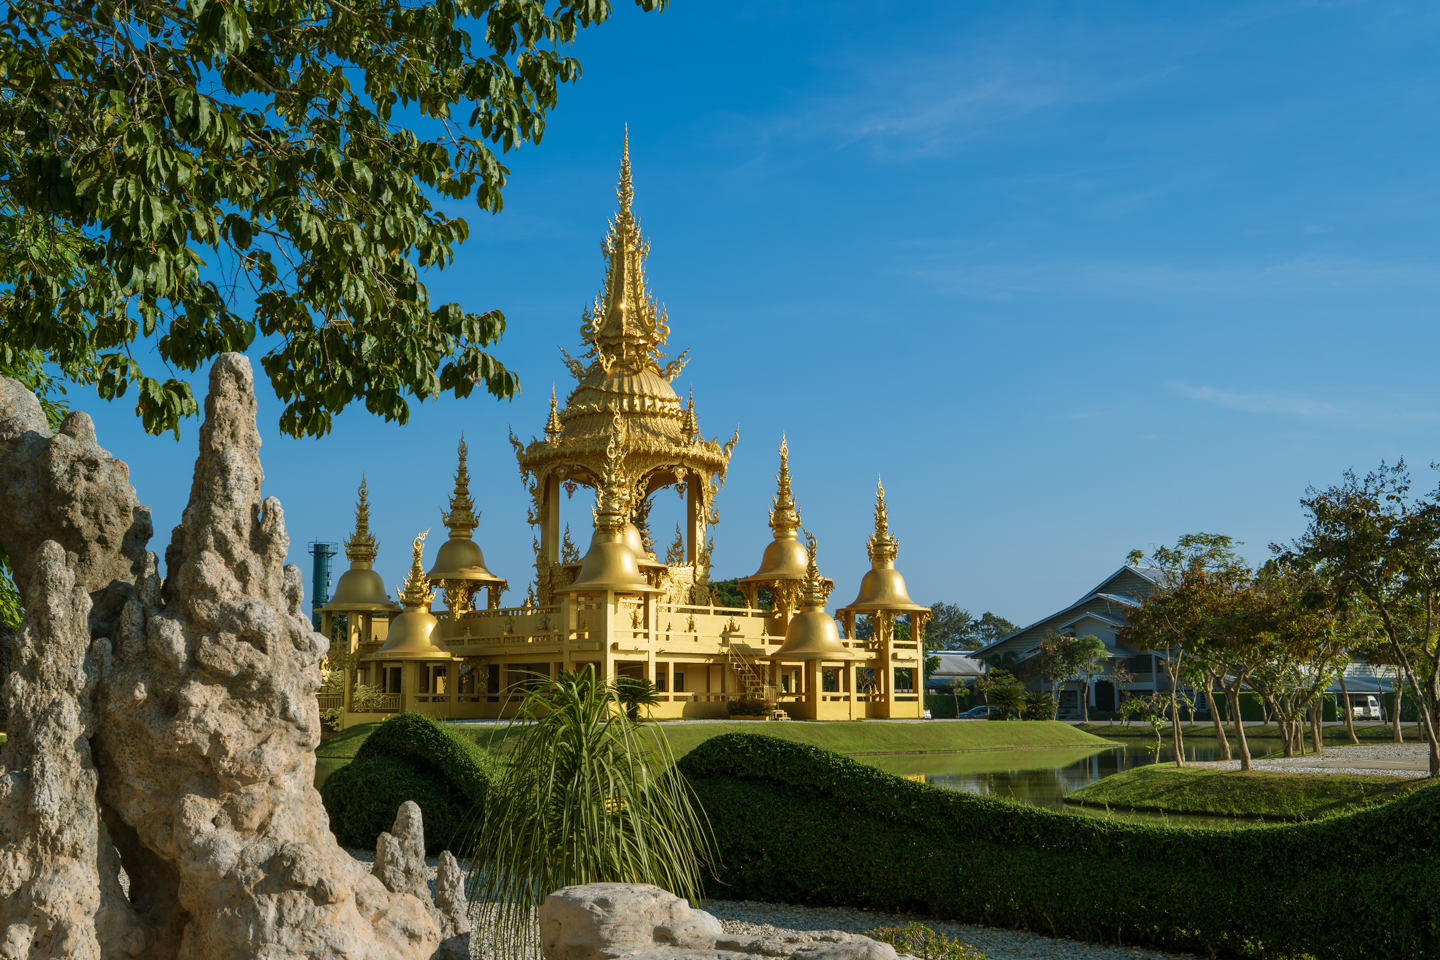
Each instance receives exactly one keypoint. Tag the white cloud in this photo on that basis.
(1309, 408)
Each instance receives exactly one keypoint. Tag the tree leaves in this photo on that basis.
(232, 169)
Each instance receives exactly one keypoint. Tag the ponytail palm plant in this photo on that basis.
(590, 797)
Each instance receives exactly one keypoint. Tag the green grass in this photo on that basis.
(343, 745)
(1231, 793)
(867, 737)
(1332, 733)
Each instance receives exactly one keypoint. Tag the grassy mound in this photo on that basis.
(408, 757)
(796, 824)
(857, 738)
(1231, 793)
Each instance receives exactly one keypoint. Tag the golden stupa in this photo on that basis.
(619, 609)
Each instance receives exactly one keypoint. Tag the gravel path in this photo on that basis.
(1376, 759)
(749, 918)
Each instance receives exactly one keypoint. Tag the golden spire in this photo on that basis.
(361, 547)
(881, 545)
(552, 425)
(461, 519)
(691, 424)
(816, 589)
(785, 515)
(416, 590)
(625, 326)
(612, 496)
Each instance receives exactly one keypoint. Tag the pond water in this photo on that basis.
(1042, 778)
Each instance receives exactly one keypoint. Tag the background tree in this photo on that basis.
(1380, 545)
(990, 628)
(949, 628)
(1090, 659)
(1175, 618)
(203, 155)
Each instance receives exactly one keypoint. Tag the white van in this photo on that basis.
(1365, 708)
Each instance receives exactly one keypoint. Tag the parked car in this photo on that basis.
(1368, 708)
(979, 713)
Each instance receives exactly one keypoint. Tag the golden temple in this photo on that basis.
(621, 610)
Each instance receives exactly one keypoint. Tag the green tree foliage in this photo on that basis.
(589, 797)
(201, 155)
(991, 628)
(1379, 546)
(949, 628)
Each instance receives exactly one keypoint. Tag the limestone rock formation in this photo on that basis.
(59, 890)
(196, 699)
(400, 865)
(639, 921)
(62, 486)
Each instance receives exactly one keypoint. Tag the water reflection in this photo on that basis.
(1042, 778)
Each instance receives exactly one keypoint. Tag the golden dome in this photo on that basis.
(812, 633)
(412, 635)
(360, 588)
(785, 557)
(635, 542)
(882, 588)
(611, 563)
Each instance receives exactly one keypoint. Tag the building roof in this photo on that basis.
(1120, 589)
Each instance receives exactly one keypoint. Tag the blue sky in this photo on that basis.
(1076, 278)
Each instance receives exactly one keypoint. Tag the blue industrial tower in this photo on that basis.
(323, 552)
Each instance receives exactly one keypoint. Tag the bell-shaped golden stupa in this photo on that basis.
(611, 563)
(361, 588)
(882, 588)
(812, 633)
(459, 563)
(412, 634)
(784, 563)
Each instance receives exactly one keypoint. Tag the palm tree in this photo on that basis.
(589, 798)
(632, 693)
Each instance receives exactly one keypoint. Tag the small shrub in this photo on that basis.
(920, 941)
(1039, 705)
(748, 708)
(409, 757)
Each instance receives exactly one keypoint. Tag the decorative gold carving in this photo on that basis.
(881, 546)
(416, 590)
(690, 623)
(463, 518)
(817, 588)
(690, 426)
(675, 555)
(552, 424)
(784, 513)
(732, 625)
(673, 368)
(569, 553)
(635, 618)
(361, 547)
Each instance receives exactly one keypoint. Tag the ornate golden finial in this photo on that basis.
(361, 547)
(552, 425)
(416, 590)
(462, 518)
(675, 555)
(881, 545)
(690, 426)
(625, 326)
(817, 588)
(785, 515)
(613, 496)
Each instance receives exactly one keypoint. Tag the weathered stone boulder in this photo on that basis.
(640, 921)
(59, 889)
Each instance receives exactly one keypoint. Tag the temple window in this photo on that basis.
(904, 679)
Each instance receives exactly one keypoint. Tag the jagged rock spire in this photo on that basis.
(881, 545)
(361, 547)
(625, 326)
(784, 515)
(416, 590)
(462, 518)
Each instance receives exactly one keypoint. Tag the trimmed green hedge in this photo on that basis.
(409, 757)
(797, 824)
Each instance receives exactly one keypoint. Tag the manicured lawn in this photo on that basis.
(1331, 732)
(1231, 793)
(869, 737)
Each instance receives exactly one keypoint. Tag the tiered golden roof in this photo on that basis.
(360, 588)
(460, 563)
(412, 635)
(620, 372)
(882, 587)
(812, 633)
